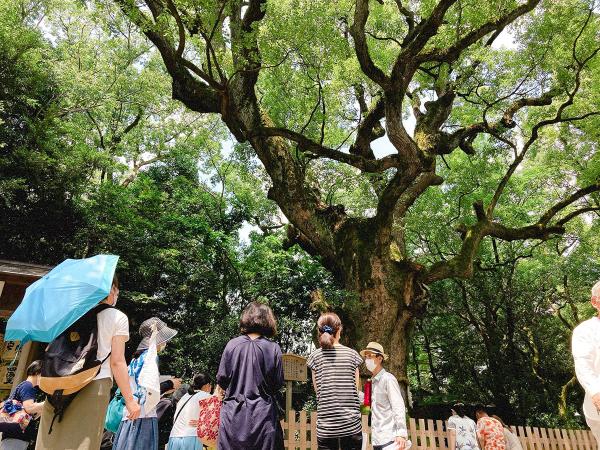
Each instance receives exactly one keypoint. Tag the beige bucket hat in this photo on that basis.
(374, 347)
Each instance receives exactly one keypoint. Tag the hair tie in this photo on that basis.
(327, 329)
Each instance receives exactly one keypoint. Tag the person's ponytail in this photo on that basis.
(328, 326)
(326, 340)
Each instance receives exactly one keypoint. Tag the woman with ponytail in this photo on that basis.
(336, 381)
(183, 434)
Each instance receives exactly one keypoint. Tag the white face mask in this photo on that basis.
(370, 363)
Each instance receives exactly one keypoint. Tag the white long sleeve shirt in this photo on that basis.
(388, 414)
(586, 354)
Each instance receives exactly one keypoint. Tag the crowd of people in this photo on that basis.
(488, 433)
(248, 384)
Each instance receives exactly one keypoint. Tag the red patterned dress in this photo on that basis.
(492, 431)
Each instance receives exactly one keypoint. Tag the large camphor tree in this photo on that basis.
(311, 85)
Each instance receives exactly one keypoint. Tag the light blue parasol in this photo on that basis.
(59, 298)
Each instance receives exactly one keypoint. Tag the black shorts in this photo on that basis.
(353, 442)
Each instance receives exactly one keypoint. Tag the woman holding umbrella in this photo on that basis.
(82, 424)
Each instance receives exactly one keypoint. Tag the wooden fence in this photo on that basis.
(301, 434)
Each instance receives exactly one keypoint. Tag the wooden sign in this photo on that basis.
(7, 375)
(9, 350)
(294, 368)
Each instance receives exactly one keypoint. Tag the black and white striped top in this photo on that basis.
(338, 407)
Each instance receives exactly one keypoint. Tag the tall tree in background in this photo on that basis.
(301, 80)
(503, 337)
(95, 157)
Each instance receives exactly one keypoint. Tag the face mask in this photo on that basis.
(370, 363)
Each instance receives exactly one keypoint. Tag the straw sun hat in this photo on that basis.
(374, 347)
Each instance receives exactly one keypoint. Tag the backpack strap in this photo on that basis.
(182, 406)
(101, 307)
(58, 412)
(98, 309)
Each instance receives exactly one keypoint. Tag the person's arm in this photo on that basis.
(33, 408)
(312, 365)
(583, 356)
(224, 372)
(27, 394)
(451, 438)
(119, 370)
(507, 439)
(219, 392)
(480, 439)
(357, 376)
(278, 369)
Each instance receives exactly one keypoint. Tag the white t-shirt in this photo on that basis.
(466, 432)
(111, 323)
(586, 354)
(191, 411)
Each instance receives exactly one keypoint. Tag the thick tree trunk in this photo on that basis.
(356, 251)
(390, 295)
(386, 320)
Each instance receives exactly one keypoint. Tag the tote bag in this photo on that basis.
(114, 413)
(209, 420)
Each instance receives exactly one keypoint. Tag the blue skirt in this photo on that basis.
(137, 434)
(184, 443)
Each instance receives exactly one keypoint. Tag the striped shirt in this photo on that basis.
(338, 407)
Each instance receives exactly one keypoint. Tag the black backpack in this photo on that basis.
(71, 362)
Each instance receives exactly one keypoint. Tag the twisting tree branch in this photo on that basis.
(421, 35)
(138, 166)
(205, 98)
(357, 30)
(408, 15)
(180, 28)
(549, 215)
(305, 144)
(369, 129)
(558, 118)
(462, 265)
(452, 53)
